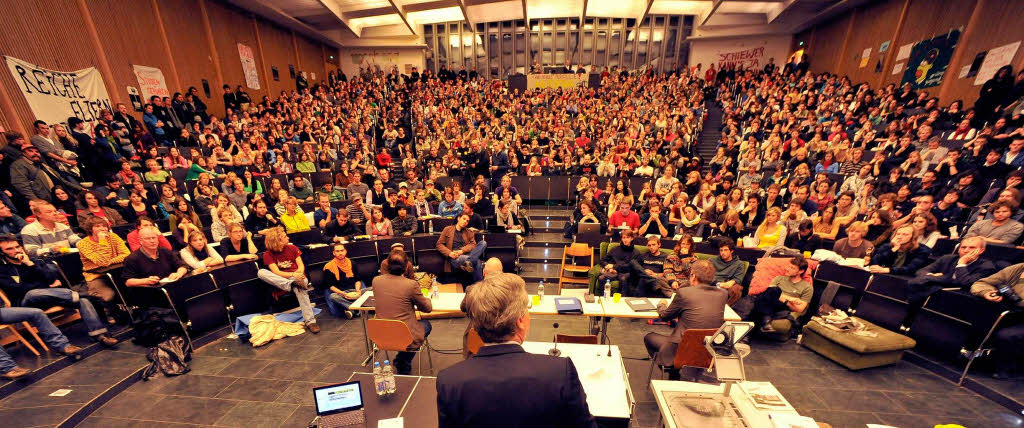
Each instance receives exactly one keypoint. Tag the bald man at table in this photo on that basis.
(503, 386)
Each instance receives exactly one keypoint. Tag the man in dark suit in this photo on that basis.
(503, 386)
(398, 298)
(701, 305)
(951, 270)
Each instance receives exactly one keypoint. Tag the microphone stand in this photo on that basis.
(554, 352)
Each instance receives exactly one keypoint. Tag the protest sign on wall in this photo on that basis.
(54, 96)
(151, 82)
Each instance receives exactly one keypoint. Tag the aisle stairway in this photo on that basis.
(541, 256)
(710, 135)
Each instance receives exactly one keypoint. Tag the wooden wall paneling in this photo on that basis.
(890, 55)
(277, 52)
(173, 79)
(873, 25)
(189, 45)
(926, 19)
(824, 49)
(846, 40)
(311, 57)
(33, 35)
(129, 41)
(97, 46)
(998, 24)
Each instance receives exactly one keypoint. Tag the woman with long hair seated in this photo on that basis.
(378, 226)
(199, 254)
(771, 232)
(902, 255)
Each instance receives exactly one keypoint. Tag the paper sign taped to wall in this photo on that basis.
(964, 70)
(866, 53)
(864, 62)
(995, 59)
(904, 52)
(896, 69)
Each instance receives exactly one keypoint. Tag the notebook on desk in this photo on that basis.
(639, 304)
(568, 305)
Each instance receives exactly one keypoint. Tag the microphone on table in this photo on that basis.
(554, 351)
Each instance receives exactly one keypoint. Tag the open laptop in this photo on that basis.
(340, 405)
(592, 228)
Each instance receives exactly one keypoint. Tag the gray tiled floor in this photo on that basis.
(233, 384)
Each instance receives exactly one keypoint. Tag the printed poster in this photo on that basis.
(904, 52)
(995, 59)
(252, 77)
(929, 59)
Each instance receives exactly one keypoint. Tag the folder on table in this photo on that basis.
(568, 305)
(640, 304)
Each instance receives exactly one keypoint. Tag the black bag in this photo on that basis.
(157, 325)
(171, 357)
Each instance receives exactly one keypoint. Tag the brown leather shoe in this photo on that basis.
(313, 328)
(16, 373)
(106, 340)
(71, 350)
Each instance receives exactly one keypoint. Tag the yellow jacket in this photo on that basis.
(265, 328)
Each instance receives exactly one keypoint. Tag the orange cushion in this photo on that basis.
(768, 268)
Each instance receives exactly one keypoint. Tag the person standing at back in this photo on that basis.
(503, 385)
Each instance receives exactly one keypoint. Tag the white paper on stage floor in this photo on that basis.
(904, 52)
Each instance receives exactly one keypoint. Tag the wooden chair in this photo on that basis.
(394, 335)
(586, 339)
(13, 335)
(474, 342)
(568, 274)
(690, 353)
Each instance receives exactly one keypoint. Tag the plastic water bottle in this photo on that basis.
(378, 379)
(434, 288)
(430, 227)
(540, 290)
(389, 378)
(607, 288)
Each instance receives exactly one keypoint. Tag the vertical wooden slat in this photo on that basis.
(295, 48)
(972, 25)
(846, 40)
(94, 38)
(205, 16)
(175, 79)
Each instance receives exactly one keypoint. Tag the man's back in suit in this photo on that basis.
(398, 297)
(697, 306)
(503, 386)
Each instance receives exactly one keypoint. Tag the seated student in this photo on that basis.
(697, 304)
(586, 213)
(951, 270)
(403, 223)
(648, 272)
(285, 271)
(854, 246)
(238, 244)
(398, 298)
(341, 229)
(1000, 229)
(339, 281)
(35, 283)
(358, 212)
(679, 262)
(199, 254)
(300, 188)
(152, 262)
(787, 296)
(324, 213)
(293, 219)
(1006, 287)
(56, 340)
(624, 216)
(449, 207)
(260, 220)
(731, 227)
(97, 250)
(458, 243)
(410, 270)
(133, 237)
(333, 194)
(618, 262)
(475, 220)
(9, 221)
(728, 269)
(503, 386)
(378, 226)
(47, 234)
(771, 232)
(902, 255)
(804, 238)
(222, 218)
(654, 221)
(421, 207)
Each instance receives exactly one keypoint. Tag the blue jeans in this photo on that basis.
(473, 256)
(45, 297)
(47, 331)
(339, 302)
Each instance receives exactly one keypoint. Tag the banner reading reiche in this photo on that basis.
(54, 96)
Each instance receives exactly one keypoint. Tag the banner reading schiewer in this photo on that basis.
(151, 82)
(54, 96)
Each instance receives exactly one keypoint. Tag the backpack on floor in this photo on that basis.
(171, 357)
(156, 326)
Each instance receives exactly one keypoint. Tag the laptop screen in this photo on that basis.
(338, 398)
